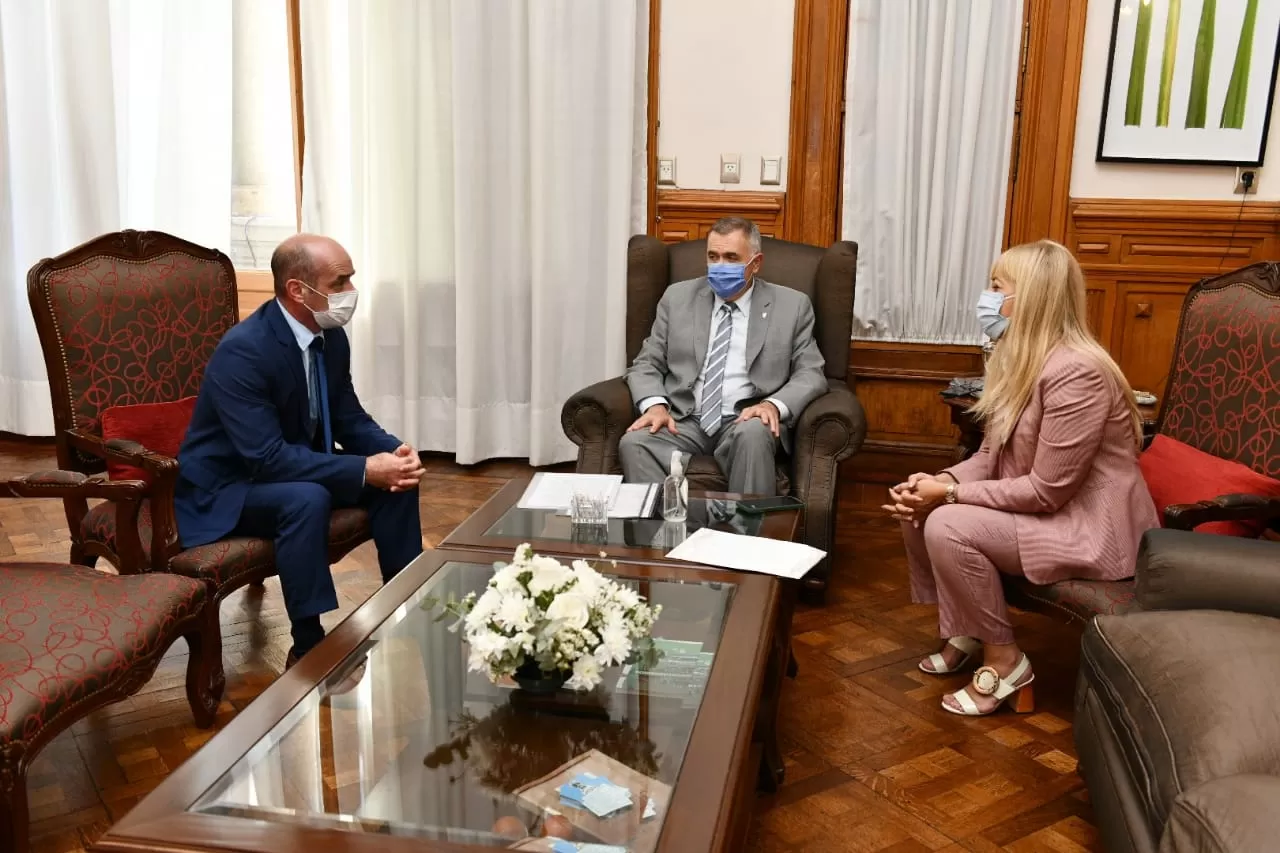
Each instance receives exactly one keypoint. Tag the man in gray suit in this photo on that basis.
(728, 367)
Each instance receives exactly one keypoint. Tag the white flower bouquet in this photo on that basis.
(538, 616)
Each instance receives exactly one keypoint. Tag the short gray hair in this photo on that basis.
(726, 225)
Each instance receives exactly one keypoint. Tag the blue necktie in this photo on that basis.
(318, 392)
(713, 385)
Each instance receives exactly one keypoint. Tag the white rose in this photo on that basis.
(548, 575)
(570, 609)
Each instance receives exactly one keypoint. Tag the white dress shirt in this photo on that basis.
(305, 336)
(737, 386)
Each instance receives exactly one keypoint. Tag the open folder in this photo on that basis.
(748, 553)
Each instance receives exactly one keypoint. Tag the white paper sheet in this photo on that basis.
(748, 553)
(553, 491)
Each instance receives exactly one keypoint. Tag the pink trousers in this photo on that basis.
(956, 558)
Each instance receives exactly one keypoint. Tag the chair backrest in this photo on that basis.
(1224, 383)
(128, 317)
(826, 276)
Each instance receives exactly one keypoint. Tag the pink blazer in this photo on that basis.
(1069, 474)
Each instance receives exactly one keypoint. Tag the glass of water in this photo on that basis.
(586, 508)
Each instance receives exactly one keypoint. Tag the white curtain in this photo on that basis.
(928, 124)
(112, 115)
(483, 162)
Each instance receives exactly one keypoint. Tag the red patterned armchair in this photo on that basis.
(126, 319)
(1223, 398)
(73, 640)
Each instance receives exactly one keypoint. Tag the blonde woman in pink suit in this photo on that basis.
(1054, 492)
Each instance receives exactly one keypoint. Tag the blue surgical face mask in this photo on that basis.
(727, 279)
(993, 322)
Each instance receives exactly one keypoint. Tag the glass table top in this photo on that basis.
(543, 524)
(405, 741)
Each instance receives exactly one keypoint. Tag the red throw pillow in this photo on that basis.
(159, 427)
(1177, 473)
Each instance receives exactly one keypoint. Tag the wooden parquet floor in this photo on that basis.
(873, 764)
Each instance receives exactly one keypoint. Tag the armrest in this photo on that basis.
(1181, 570)
(164, 480)
(1223, 508)
(595, 419)
(831, 427)
(72, 485)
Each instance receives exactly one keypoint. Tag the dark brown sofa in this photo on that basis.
(1178, 706)
(830, 429)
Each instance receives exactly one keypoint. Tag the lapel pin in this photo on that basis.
(764, 314)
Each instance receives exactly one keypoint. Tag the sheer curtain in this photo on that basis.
(104, 109)
(928, 124)
(483, 161)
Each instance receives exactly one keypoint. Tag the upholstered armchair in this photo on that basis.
(829, 431)
(127, 323)
(1222, 398)
(75, 640)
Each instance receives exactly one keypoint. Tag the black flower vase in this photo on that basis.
(534, 681)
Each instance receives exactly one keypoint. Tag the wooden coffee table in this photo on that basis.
(500, 526)
(381, 739)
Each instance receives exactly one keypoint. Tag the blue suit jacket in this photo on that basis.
(250, 426)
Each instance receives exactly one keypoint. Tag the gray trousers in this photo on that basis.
(744, 452)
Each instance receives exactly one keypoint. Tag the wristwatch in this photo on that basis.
(951, 493)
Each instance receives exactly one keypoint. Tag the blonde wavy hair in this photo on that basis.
(1049, 311)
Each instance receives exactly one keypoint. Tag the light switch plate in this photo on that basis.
(666, 171)
(730, 168)
(770, 171)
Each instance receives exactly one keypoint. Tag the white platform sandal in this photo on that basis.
(968, 645)
(987, 682)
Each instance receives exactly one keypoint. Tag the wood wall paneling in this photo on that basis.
(254, 287)
(814, 175)
(1141, 256)
(689, 214)
(909, 428)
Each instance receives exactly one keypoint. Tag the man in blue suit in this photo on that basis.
(278, 439)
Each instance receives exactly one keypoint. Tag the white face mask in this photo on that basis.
(993, 322)
(341, 307)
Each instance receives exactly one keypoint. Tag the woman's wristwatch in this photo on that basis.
(951, 493)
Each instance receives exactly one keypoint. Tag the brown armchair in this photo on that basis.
(1222, 398)
(829, 431)
(127, 318)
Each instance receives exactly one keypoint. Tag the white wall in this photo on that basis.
(1091, 179)
(724, 88)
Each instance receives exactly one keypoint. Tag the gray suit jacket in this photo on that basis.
(783, 359)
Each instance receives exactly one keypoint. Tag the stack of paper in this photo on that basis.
(625, 500)
(554, 491)
(748, 553)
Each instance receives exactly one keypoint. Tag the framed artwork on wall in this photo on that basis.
(1190, 81)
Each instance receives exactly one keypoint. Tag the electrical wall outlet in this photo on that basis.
(730, 168)
(666, 171)
(770, 171)
(1249, 185)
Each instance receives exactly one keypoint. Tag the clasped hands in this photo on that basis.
(917, 497)
(398, 471)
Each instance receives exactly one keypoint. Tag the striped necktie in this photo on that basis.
(713, 386)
